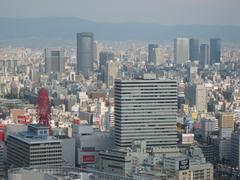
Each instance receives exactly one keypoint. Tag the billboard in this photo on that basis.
(88, 159)
(184, 164)
(187, 138)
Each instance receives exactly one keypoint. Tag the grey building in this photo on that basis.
(104, 56)
(181, 50)
(151, 53)
(85, 52)
(33, 148)
(54, 60)
(193, 49)
(215, 50)
(204, 55)
(145, 109)
(235, 149)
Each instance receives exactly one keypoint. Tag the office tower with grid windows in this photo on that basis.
(146, 109)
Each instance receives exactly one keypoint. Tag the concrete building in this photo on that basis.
(204, 172)
(181, 50)
(196, 94)
(160, 58)
(54, 60)
(123, 161)
(89, 143)
(111, 73)
(8, 66)
(145, 109)
(33, 148)
(85, 53)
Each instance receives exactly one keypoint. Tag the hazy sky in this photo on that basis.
(172, 12)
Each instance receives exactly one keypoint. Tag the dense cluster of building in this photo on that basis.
(122, 110)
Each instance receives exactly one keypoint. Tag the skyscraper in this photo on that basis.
(145, 109)
(54, 60)
(204, 55)
(181, 50)
(104, 56)
(193, 49)
(215, 50)
(111, 72)
(85, 53)
(151, 53)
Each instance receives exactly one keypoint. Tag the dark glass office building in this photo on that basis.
(151, 53)
(54, 60)
(193, 49)
(204, 55)
(85, 53)
(215, 50)
(104, 56)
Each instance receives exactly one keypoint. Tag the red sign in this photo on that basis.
(88, 159)
(24, 119)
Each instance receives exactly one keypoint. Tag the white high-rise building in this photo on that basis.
(181, 50)
(145, 109)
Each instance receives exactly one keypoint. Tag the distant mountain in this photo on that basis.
(65, 28)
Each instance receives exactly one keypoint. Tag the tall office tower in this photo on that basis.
(145, 109)
(204, 55)
(151, 53)
(226, 127)
(201, 98)
(85, 53)
(33, 148)
(226, 124)
(54, 61)
(235, 149)
(215, 50)
(104, 56)
(111, 73)
(181, 50)
(159, 56)
(194, 49)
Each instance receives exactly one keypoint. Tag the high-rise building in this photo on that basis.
(181, 50)
(151, 53)
(215, 50)
(104, 56)
(85, 53)
(159, 56)
(204, 55)
(33, 148)
(235, 149)
(54, 61)
(111, 72)
(193, 49)
(201, 97)
(145, 109)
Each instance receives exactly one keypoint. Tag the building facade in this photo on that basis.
(215, 50)
(204, 55)
(33, 148)
(85, 52)
(193, 49)
(54, 61)
(181, 50)
(145, 109)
